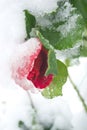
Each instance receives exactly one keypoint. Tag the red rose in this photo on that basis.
(30, 64)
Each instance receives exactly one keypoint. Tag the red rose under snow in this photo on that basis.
(30, 65)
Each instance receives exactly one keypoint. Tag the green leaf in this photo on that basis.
(22, 125)
(83, 48)
(44, 41)
(52, 63)
(62, 31)
(81, 5)
(83, 51)
(55, 88)
(51, 35)
(51, 55)
(60, 42)
(30, 22)
(73, 37)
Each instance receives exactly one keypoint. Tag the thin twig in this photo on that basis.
(31, 101)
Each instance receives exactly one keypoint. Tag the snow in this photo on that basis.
(64, 113)
(80, 121)
(71, 24)
(22, 61)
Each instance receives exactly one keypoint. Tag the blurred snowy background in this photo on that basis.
(66, 112)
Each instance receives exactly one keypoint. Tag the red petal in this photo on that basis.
(43, 82)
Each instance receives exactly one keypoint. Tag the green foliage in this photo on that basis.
(83, 48)
(81, 5)
(55, 89)
(51, 55)
(44, 41)
(47, 128)
(83, 51)
(58, 41)
(64, 33)
(52, 63)
(20, 123)
(73, 37)
(30, 22)
(52, 36)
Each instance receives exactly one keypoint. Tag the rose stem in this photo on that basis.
(31, 101)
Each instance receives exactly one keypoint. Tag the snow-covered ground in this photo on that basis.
(66, 112)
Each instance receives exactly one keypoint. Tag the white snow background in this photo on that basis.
(66, 112)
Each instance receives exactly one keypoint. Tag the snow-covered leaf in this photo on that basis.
(81, 5)
(63, 28)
